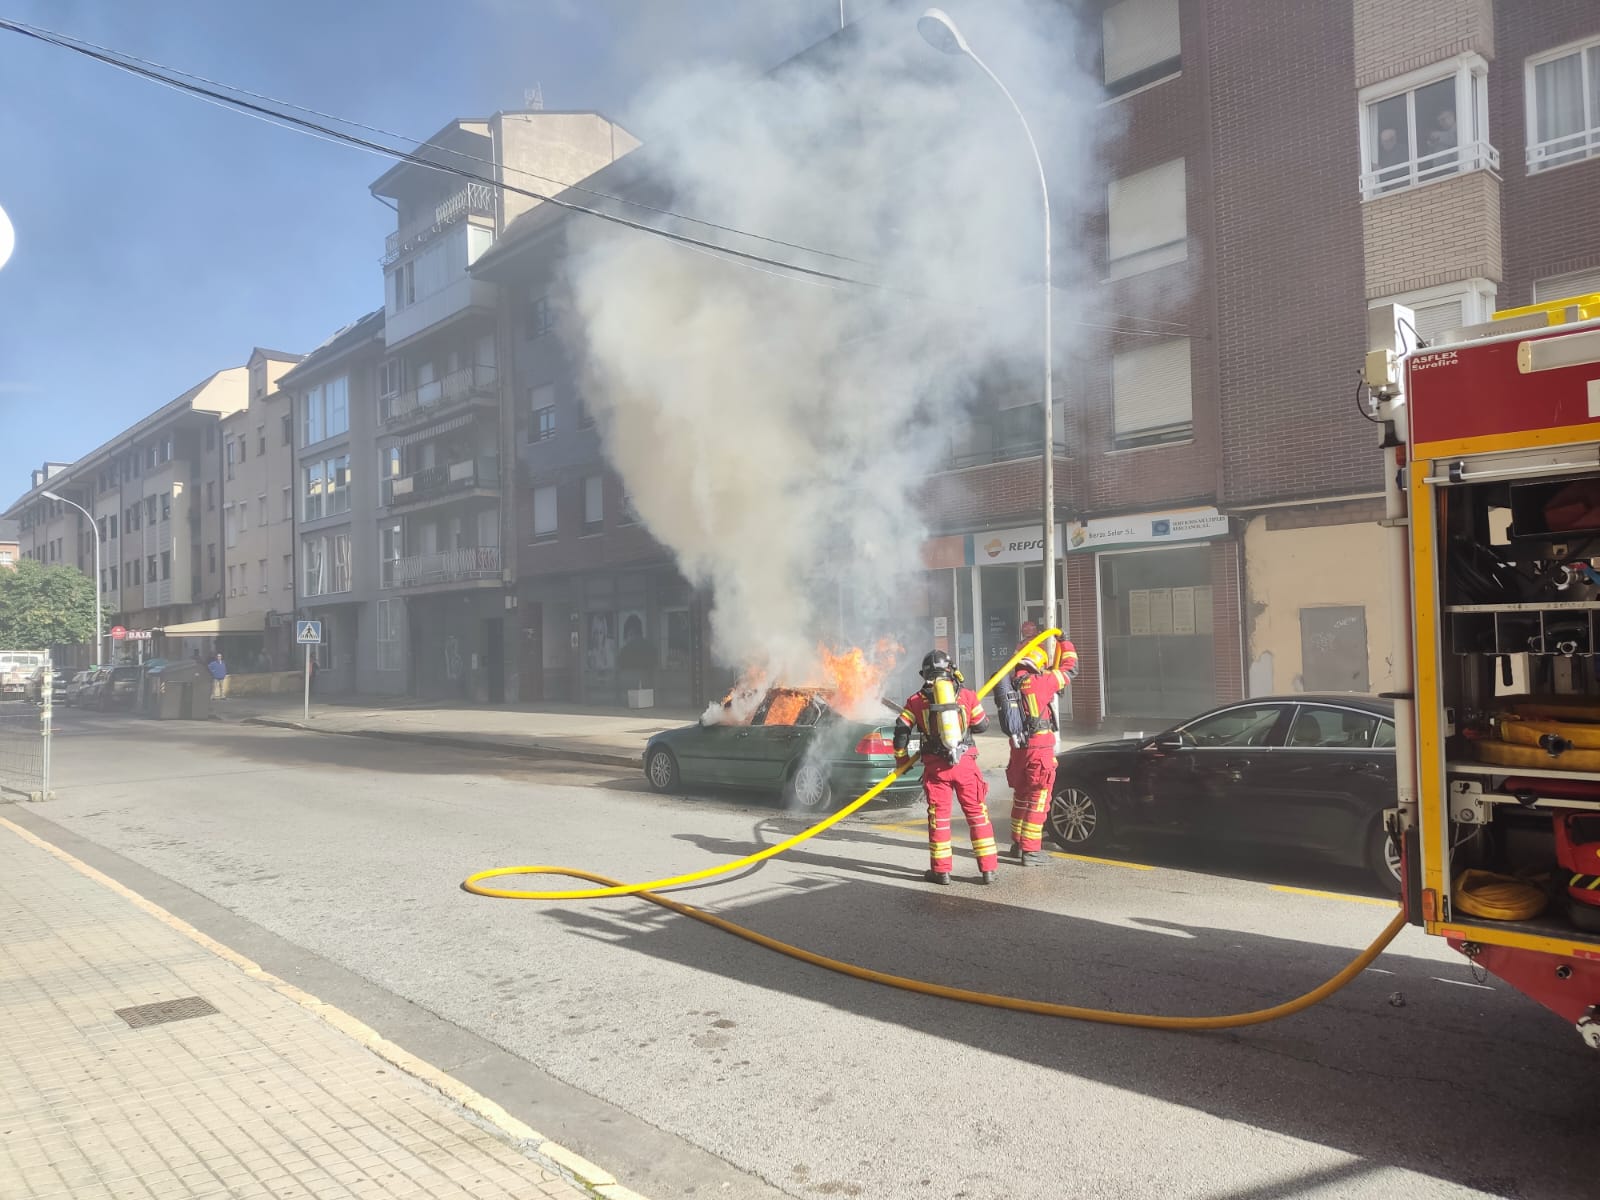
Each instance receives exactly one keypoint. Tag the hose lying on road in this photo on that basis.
(649, 890)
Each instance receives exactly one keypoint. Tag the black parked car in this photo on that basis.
(1310, 772)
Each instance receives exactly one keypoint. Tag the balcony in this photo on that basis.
(476, 199)
(478, 563)
(423, 403)
(442, 482)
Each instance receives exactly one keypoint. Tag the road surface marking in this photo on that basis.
(1482, 987)
(903, 826)
(1104, 862)
(1295, 891)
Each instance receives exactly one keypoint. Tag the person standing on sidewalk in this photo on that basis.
(1038, 679)
(219, 677)
(945, 715)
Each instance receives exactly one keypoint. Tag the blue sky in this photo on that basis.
(159, 238)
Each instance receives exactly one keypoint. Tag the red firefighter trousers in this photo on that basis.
(1032, 776)
(961, 781)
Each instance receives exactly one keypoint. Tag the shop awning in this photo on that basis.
(238, 623)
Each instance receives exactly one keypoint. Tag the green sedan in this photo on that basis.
(794, 746)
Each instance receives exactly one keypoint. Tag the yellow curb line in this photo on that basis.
(1294, 891)
(595, 1178)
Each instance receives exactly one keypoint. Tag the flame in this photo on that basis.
(854, 677)
(786, 705)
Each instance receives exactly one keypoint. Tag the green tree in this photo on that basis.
(42, 606)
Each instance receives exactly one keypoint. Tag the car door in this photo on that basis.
(1198, 776)
(771, 748)
(704, 753)
(1321, 791)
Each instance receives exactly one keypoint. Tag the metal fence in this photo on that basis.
(25, 745)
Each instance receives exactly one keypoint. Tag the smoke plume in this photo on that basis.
(776, 432)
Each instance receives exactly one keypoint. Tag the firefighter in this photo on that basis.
(1038, 679)
(944, 716)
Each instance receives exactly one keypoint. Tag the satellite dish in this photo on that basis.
(8, 237)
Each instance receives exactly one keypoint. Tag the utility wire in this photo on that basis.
(206, 90)
(417, 160)
(122, 56)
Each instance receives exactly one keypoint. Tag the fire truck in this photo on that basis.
(1491, 444)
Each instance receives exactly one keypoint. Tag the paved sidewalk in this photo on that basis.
(608, 736)
(271, 1095)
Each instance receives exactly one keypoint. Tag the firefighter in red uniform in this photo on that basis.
(945, 715)
(1031, 772)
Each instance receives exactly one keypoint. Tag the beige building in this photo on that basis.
(255, 515)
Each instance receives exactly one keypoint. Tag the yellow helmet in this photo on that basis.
(1035, 658)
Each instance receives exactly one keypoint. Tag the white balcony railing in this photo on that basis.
(447, 566)
(457, 387)
(1427, 168)
(475, 198)
(430, 483)
(1559, 151)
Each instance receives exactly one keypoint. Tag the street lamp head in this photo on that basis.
(940, 32)
(52, 496)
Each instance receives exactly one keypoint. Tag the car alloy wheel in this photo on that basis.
(662, 770)
(809, 788)
(1074, 819)
(1383, 858)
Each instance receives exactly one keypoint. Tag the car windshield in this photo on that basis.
(1248, 725)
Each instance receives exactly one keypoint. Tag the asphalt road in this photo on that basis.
(694, 1064)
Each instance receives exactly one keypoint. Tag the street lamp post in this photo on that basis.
(940, 32)
(98, 628)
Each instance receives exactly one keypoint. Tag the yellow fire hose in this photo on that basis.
(649, 891)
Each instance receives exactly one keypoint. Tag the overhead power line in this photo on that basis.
(217, 93)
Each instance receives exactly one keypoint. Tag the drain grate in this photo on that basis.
(164, 1011)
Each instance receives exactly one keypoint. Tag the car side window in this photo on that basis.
(1384, 738)
(1248, 725)
(1333, 728)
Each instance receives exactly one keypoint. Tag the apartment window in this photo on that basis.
(544, 424)
(1557, 287)
(627, 514)
(261, 439)
(230, 525)
(211, 558)
(1139, 44)
(261, 512)
(288, 504)
(391, 377)
(102, 529)
(325, 411)
(594, 505)
(113, 579)
(286, 431)
(150, 575)
(231, 456)
(211, 495)
(288, 570)
(544, 512)
(390, 548)
(405, 285)
(261, 572)
(244, 516)
(233, 577)
(166, 506)
(113, 526)
(1426, 126)
(166, 564)
(1150, 394)
(244, 448)
(1148, 220)
(311, 492)
(131, 571)
(541, 316)
(244, 578)
(389, 655)
(1441, 309)
(1563, 105)
(327, 564)
(337, 485)
(166, 450)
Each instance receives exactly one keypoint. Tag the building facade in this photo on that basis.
(443, 438)
(257, 514)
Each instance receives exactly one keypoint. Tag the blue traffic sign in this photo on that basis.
(308, 633)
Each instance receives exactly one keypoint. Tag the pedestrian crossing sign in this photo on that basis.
(308, 633)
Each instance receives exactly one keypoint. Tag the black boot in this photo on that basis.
(1033, 858)
(942, 878)
(987, 877)
(1015, 852)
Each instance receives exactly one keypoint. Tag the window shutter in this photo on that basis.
(544, 510)
(1562, 287)
(1438, 318)
(1150, 388)
(1148, 212)
(1137, 35)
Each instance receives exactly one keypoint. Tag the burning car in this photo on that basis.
(796, 744)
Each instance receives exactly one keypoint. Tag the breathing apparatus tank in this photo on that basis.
(948, 718)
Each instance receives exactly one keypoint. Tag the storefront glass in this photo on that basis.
(1156, 629)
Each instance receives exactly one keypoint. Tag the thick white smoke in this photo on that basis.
(776, 433)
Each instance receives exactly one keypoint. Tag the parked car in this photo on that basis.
(1309, 772)
(75, 685)
(110, 687)
(795, 746)
(35, 685)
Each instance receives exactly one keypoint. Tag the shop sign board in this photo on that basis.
(1146, 529)
(1024, 544)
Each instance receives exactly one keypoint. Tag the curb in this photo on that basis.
(595, 1179)
(520, 749)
